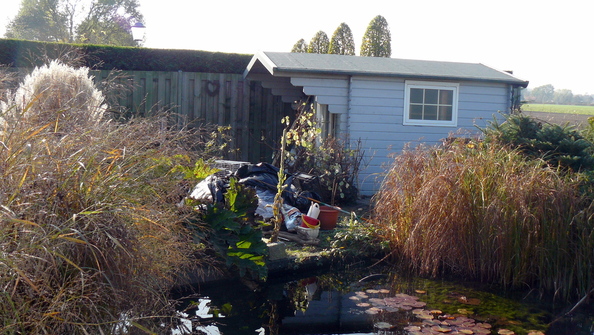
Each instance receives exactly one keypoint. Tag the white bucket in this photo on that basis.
(308, 233)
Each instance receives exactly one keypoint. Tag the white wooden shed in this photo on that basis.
(388, 102)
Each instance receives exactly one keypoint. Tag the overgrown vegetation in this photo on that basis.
(514, 209)
(330, 159)
(229, 228)
(91, 237)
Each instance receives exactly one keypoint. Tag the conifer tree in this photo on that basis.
(300, 46)
(342, 42)
(319, 44)
(377, 40)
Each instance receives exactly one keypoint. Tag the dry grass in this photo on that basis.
(90, 233)
(487, 213)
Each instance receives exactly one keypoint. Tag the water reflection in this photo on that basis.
(342, 303)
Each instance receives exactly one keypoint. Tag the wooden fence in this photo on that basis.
(197, 99)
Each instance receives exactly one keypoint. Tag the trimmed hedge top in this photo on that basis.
(19, 53)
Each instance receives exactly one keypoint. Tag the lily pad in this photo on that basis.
(373, 311)
(441, 329)
(383, 325)
(412, 328)
(484, 325)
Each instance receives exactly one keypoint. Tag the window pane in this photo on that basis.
(416, 95)
(446, 97)
(445, 113)
(431, 96)
(430, 113)
(416, 112)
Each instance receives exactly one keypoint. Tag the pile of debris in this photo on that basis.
(300, 200)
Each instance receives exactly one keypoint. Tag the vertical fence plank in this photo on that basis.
(197, 99)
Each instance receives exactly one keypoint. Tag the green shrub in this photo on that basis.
(485, 212)
(559, 146)
(229, 229)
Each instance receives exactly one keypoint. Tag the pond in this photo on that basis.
(362, 300)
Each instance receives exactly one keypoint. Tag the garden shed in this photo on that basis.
(386, 102)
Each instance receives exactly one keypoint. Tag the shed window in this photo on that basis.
(431, 103)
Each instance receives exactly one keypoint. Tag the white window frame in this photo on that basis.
(430, 85)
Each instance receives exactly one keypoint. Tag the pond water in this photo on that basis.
(374, 301)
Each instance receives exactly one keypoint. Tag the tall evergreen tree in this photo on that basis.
(82, 21)
(319, 44)
(342, 42)
(377, 39)
(300, 46)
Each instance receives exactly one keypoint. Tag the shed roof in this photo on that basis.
(290, 64)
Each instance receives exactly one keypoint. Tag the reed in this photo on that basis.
(485, 212)
(90, 238)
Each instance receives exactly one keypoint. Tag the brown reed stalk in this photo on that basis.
(90, 234)
(487, 213)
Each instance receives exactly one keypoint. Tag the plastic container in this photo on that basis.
(328, 217)
(309, 222)
(311, 233)
(314, 210)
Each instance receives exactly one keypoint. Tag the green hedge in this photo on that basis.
(19, 53)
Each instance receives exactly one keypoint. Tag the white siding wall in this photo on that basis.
(376, 115)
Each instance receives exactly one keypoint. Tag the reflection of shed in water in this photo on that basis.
(332, 312)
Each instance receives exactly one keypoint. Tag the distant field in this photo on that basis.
(565, 109)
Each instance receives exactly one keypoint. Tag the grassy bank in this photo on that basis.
(565, 109)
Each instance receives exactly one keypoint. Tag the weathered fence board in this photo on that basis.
(197, 99)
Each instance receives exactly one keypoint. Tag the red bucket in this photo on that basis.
(309, 222)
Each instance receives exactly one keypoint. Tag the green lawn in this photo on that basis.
(568, 109)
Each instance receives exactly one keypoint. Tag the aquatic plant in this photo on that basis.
(486, 212)
(226, 225)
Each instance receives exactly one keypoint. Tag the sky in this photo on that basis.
(541, 41)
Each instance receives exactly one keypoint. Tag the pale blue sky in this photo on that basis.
(544, 42)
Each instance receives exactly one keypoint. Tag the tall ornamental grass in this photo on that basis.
(90, 238)
(485, 212)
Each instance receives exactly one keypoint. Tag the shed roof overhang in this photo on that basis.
(275, 70)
